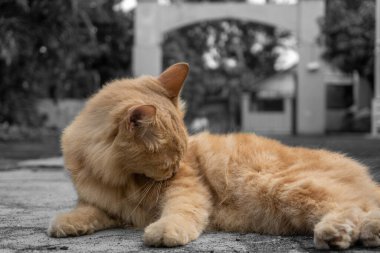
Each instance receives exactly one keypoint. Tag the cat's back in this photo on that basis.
(242, 151)
(220, 151)
(225, 159)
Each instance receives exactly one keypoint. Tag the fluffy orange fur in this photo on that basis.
(132, 163)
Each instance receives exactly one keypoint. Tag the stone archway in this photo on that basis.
(152, 21)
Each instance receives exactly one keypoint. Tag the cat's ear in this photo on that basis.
(141, 116)
(173, 77)
(140, 124)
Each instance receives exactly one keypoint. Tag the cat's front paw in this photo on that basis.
(335, 235)
(64, 225)
(170, 232)
(370, 230)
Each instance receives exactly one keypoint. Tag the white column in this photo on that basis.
(311, 93)
(147, 52)
(376, 99)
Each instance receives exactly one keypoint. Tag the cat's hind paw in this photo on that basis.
(63, 226)
(170, 232)
(370, 230)
(334, 235)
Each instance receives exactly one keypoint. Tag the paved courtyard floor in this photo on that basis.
(32, 192)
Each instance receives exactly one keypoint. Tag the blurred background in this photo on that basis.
(274, 67)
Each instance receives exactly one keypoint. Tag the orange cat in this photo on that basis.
(131, 163)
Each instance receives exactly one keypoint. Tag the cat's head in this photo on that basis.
(146, 130)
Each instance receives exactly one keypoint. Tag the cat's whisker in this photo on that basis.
(145, 193)
(155, 188)
(135, 193)
(146, 189)
(158, 191)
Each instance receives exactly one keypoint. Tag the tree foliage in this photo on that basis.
(225, 56)
(58, 49)
(348, 34)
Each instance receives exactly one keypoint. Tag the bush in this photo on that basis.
(58, 49)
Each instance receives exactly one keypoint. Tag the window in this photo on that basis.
(266, 104)
(270, 105)
(339, 96)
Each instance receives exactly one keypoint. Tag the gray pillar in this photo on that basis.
(147, 52)
(311, 94)
(147, 60)
(376, 99)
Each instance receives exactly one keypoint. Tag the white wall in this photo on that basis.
(266, 122)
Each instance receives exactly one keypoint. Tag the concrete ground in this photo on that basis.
(31, 192)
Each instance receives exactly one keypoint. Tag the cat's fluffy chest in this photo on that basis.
(133, 204)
